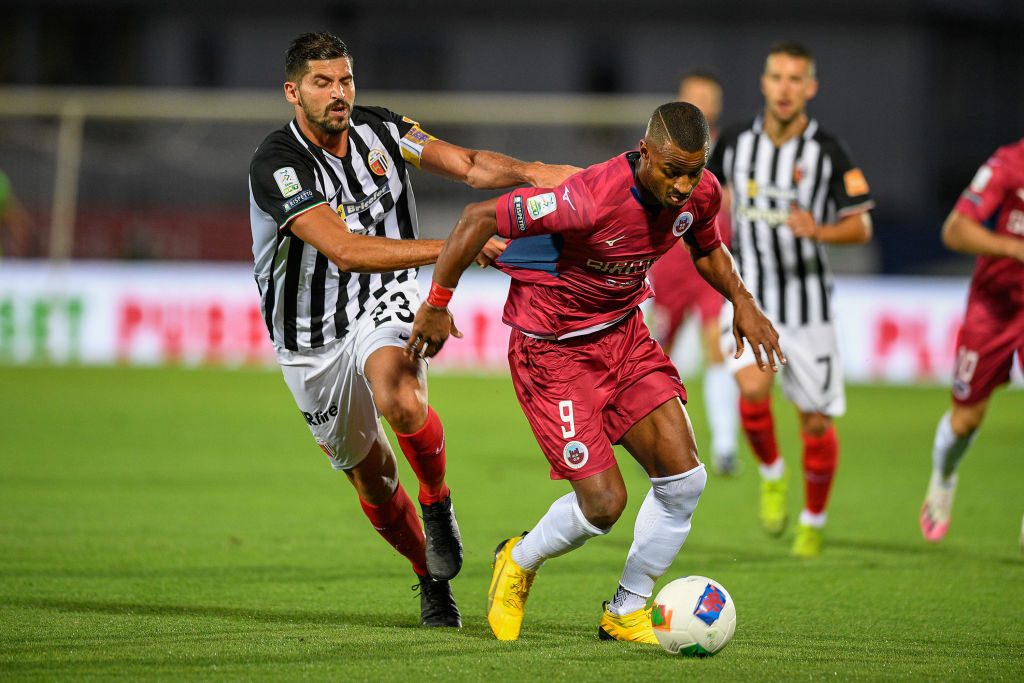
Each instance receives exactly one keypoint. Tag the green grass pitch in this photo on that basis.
(182, 524)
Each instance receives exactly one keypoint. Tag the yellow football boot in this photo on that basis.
(510, 587)
(634, 627)
(773, 506)
(808, 541)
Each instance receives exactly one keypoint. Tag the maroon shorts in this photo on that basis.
(581, 395)
(671, 312)
(992, 333)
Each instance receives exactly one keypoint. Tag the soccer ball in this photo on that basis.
(693, 616)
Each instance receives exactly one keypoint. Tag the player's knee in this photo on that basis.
(815, 424)
(681, 493)
(965, 420)
(604, 508)
(405, 411)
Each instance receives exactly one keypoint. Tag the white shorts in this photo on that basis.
(329, 384)
(812, 377)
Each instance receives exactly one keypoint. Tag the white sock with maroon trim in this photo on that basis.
(562, 528)
(662, 526)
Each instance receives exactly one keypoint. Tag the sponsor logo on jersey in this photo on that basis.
(709, 607)
(575, 454)
(352, 208)
(517, 209)
(298, 199)
(769, 216)
(980, 180)
(287, 181)
(855, 182)
(798, 174)
(620, 267)
(320, 417)
(541, 205)
(378, 161)
(682, 224)
(751, 188)
(1015, 222)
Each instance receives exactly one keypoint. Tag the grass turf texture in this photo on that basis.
(182, 523)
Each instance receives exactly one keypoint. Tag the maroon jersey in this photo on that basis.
(579, 254)
(996, 198)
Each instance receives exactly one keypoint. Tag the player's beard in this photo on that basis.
(322, 119)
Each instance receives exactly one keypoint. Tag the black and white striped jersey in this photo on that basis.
(788, 275)
(306, 301)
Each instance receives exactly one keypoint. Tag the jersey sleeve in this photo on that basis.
(283, 182)
(411, 138)
(983, 197)
(531, 211)
(703, 237)
(848, 187)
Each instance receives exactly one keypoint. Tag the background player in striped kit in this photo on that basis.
(680, 291)
(792, 188)
(993, 329)
(335, 246)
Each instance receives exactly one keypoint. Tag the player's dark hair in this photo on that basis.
(309, 47)
(680, 123)
(792, 49)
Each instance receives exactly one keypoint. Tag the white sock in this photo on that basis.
(662, 526)
(722, 400)
(562, 528)
(774, 471)
(948, 449)
(814, 519)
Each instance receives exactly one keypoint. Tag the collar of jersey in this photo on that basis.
(631, 159)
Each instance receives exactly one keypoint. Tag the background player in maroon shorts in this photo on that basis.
(680, 292)
(585, 368)
(993, 329)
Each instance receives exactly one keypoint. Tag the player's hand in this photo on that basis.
(550, 175)
(748, 321)
(801, 222)
(490, 253)
(430, 330)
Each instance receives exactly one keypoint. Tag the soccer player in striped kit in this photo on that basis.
(993, 329)
(336, 249)
(792, 188)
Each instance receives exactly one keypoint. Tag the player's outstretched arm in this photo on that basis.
(433, 323)
(967, 236)
(855, 228)
(748, 321)
(489, 170)
(353, 253)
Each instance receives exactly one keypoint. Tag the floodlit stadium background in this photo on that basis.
(127, 134)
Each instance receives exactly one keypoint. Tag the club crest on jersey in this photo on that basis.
(377, 161)
(682, 224)
(710, 605)
(575, 454)
(287, 181)
(541, 205)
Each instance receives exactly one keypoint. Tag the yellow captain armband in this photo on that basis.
(413, 142)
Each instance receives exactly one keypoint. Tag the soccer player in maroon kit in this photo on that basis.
(993, 329)
(585, 368)
(674, 273)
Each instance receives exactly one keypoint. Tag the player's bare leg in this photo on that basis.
(389, 509)
(759, 426)
(721, 400)
(820, 456)
(953, 435)
(664, 445)
(400, 391)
